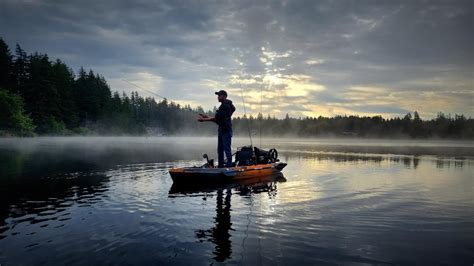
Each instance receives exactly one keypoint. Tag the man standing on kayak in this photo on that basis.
(223, 119)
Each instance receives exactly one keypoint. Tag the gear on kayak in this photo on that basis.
(250, 162)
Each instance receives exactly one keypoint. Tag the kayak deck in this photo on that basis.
(203, 174)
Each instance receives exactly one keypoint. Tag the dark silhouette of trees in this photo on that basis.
(44, 97)
(410, 126)
(62, 78)
(41, 95)
(20, 68)
(7, 79)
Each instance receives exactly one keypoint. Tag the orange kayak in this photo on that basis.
(221, 175)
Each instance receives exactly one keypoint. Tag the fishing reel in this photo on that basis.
(263, 156)
(210, 163)
(273, 155)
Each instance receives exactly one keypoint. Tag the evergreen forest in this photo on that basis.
(39, 96)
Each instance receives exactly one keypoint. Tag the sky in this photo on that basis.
(302, 58)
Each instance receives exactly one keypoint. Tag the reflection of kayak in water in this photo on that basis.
(254, 184)
(224, 175)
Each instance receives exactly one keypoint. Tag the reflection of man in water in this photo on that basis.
(224, 121)
(219, 234)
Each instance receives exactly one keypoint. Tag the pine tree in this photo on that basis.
(6, 67)
(41, 96)
(63, 81)
(20, 70)
(81, 94)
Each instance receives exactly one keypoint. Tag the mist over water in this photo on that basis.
(76, 200)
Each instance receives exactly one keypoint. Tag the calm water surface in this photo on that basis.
(81, 201)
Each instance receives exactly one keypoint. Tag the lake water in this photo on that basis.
(75, 201)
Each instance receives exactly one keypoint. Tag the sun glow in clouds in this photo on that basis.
(314, 61)
(270, 91)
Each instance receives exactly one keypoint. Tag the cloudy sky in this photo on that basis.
(305, 58)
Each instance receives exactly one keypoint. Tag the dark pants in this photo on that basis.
(224, 140)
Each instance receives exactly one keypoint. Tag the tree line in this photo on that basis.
(410, 126)
(43, 97)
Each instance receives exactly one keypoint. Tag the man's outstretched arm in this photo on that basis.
(205, 118)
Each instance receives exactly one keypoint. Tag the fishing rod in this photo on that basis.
(245, 113)
(261, 115)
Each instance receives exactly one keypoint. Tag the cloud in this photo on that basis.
(306, 57)
(314, 61)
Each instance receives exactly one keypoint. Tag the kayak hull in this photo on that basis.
(224, 175)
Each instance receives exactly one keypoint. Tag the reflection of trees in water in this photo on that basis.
(440, 163)
(42, 199)
(416, 161)
(52, 155)
(389, 148)
(49, 163)
(12, 162)
(39, 185)
(220, 233)
(406, 160)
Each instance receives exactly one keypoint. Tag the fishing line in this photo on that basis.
(164, 98)
(249, 214)
(144, 89)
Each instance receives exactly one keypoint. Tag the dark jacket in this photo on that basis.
(223, 116)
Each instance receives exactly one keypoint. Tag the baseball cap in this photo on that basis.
(221, 92)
